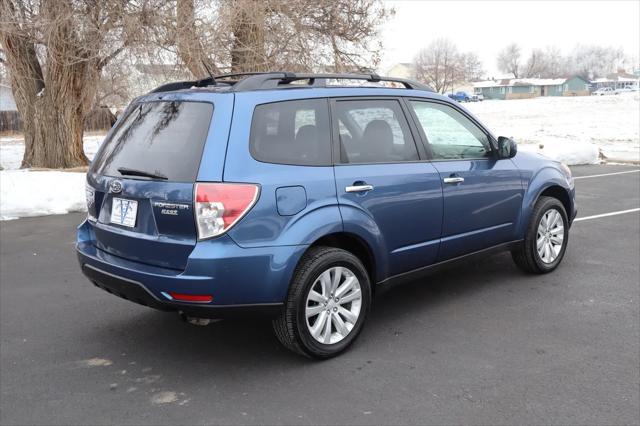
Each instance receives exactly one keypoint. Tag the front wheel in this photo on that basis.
(328, 302)
(546, 240)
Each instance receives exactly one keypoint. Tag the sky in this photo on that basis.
(487, 26)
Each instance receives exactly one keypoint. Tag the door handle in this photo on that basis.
(453, 180)
(359, 188)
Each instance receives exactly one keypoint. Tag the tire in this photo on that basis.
(527, 256)
(294, 329)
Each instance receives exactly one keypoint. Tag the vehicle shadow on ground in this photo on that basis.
(162, 340)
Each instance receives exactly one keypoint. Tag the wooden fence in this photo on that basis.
(97, 119)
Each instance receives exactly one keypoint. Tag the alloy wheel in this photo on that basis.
(550, 236)
(333, 305)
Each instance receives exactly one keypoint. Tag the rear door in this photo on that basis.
(381, 173)
(482, 194)
(142, 182)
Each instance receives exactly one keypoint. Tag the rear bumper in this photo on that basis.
(241, 281)
(138, 293)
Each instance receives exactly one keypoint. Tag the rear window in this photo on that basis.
(162, 138)
(292, 132)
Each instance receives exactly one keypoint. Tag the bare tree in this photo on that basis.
(473, 69)
(436, 64)
(509, 60)
(248, 22)
(592, 61)
(249, 35)
(55, 53)
(442, 67)
(545, 63)
(555, 65)
(588, 61)
(190, 48)
(535, 65)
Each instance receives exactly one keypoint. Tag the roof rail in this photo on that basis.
(186, 84)
(208, 81)
(273, 80)
(277, 79)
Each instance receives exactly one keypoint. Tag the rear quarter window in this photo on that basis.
(163, 138)
(292, 132)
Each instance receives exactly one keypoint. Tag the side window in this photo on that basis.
(292, 132)
(374, 131)
(450, 134)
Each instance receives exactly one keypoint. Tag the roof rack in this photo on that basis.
(187, 84)
(208, 81)
(279, 79)
(274, 80)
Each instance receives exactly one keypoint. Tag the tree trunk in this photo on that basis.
(188, 41)
(53, 104)
(248, 51)
(55, 135)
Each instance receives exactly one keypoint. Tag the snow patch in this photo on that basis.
(36, 193)
(562, 124)
(12, 149)
(166, 397)
(568, 152)
(97, 362)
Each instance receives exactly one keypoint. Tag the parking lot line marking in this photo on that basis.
(606, 214)
(606, 174)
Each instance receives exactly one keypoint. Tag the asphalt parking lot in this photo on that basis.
(480, 344)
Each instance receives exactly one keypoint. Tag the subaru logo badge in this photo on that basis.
(115, 186)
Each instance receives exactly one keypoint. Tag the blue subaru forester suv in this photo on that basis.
(301, 195)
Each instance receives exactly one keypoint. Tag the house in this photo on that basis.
(617, 80)
(9, 118)
(521, 88)
(7, 102)
(402, 70)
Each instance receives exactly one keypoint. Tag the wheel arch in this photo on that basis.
(552, 188)
(355, 245)
(559, 193)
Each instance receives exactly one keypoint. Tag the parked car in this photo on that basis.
(278, 194)
(628, 89)
(460, 96)
(605, 91)
(477, 97)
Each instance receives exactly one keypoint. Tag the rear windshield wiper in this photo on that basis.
(133, 172)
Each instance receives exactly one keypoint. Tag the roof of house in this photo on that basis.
(622, 76)
(402, 64)
(613, 78)
(521, 82)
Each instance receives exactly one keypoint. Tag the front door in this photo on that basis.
(482, 195)
(381, 177)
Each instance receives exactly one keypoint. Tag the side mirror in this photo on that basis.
(507, 147)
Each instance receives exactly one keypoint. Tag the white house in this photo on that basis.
(7, 102)
(618, 80)
(402, 70)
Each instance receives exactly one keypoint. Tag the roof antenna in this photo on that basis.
(204, 64)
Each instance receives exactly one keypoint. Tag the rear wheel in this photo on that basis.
(546, 240)
(328, 302)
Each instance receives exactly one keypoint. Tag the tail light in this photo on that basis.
(220, 205)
